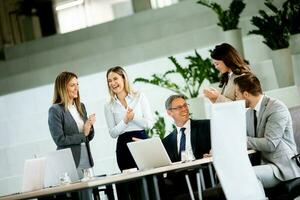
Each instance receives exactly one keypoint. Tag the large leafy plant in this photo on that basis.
(228, 19)
(193, 75)
(159, 127)
(273, 27)
(293, 15)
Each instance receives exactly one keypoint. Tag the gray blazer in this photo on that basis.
(275, 138)
(65, 133)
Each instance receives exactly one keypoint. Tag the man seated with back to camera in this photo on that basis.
(269, 131)
(189, 134)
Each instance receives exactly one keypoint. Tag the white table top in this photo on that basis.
(107, 180)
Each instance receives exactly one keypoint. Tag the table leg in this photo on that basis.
(199, 186)
(156, 188)
(189, 186)
(202, 179)
(211, 175)
(145, 189)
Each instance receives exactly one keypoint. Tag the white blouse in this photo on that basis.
(76, 116)
(115, 112)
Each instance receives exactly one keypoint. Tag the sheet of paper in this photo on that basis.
(230, 157)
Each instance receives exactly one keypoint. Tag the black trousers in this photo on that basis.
(124, 157)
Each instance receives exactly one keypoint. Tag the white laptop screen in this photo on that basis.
(149, 153)
(33, 175)
(58, 163)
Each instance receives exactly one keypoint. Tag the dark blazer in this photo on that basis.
(65, 133)
(200, 140)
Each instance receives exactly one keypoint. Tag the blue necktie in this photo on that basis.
(182, 141)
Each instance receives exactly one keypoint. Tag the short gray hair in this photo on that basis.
(171, 98)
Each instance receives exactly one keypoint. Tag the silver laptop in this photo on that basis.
(33, 175)
(149, 153)
(58, 163)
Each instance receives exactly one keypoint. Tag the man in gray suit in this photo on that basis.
(269, 130)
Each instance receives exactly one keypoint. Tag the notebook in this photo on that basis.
(58, 163)
(33, 175)
(149, 153)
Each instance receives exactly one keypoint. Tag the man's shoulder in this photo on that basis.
(275, 104)
(169, 137)
(200, 122)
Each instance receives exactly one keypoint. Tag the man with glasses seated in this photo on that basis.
(189, 135)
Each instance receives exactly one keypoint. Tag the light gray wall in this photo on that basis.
(144, 36)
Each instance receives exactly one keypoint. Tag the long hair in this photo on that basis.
(60, 91)
(232, 59)
(119, 70)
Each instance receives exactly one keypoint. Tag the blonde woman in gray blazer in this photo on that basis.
(273, 135)
(68, 122)
(230, 64)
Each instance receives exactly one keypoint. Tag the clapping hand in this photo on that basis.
(211, 93)
(89, 123)
(129, 115)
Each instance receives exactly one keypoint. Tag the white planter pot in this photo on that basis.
(234, 38)
(199, 108)
(295, 44)
(295, 51)
(296, 68)
(282, 62)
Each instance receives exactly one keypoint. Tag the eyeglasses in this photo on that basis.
(179, 107)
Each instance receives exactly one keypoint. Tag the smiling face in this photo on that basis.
(179, 111)
(115, 83)
(72, 89)
(220, 65)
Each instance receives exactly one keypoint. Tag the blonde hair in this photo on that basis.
(60, 91)
(128, 89)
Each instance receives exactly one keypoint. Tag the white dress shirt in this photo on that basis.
(115, 112)
(258, 105)
(187, 132)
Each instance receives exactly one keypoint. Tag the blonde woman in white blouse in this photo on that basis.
(127, 115)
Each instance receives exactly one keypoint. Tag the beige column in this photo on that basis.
(141, 5)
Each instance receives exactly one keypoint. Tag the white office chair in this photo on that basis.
(230, 157)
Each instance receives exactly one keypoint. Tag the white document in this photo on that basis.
(230, 157)
(33, 176)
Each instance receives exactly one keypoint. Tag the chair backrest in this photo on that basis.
(295, 113)
(230, 157)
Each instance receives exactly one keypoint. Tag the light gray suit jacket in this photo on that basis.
(65, 133)
(275, 138)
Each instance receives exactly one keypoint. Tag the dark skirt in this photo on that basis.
(124, 157)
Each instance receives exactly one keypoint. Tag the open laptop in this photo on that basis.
(58, 163)
(149, 153)
(33, 175)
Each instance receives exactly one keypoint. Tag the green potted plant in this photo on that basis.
(159, 127)
(228, 21)
(274, 29)
(293, 16)
(193, 75)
